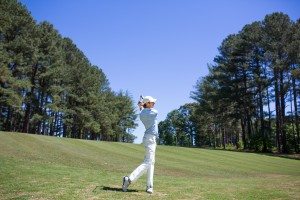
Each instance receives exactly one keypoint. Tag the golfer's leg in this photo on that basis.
(139, 171)
(150, 172)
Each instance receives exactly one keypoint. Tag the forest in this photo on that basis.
(250, 98)
(49, 87)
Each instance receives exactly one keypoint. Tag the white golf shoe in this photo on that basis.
(149, 190)
(126, 183)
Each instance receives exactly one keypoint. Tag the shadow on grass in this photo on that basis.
(114, 189)
(293, 156)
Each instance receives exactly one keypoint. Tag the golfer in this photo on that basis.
(148, 116)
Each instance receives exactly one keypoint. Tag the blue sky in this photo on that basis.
(158, 48)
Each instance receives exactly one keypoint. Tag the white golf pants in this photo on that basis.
(149, 142)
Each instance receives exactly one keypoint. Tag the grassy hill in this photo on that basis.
(41, 167)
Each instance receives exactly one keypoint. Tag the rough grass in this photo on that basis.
(41, 167)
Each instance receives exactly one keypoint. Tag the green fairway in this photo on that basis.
(41, 167)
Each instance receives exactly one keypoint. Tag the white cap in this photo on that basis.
(149, 99)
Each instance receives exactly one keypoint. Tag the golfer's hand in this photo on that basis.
(140, 104)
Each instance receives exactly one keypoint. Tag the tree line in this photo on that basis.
(250, 98)
(49, 87)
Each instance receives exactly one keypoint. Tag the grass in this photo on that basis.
(41, 167)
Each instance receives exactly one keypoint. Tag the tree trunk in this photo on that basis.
(269, 109)
(292, 121)
(2, 120)
(7, 126)
(43, 113)
(223, 138)
(214, 135)
(73, 131)
(64, 131)
(243, 133)
(278, 113)
(282, 103)
(249, 127)
(269, 114)
(30, 97)
(26, 118)
(262, 121)
(52, 124)
(237, 139)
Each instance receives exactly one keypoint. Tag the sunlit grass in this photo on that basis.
(41, 167)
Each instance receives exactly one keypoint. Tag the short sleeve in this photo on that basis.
(154, 112)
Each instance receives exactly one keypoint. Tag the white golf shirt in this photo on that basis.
(149, 118)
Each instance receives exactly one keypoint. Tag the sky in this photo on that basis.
(154, 47)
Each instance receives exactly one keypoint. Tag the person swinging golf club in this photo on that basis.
(148, 116)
